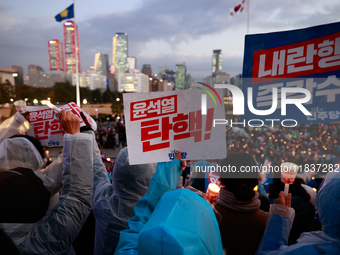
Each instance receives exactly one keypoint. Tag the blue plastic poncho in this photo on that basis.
(275, 238)
(182, 217)
(183, 223)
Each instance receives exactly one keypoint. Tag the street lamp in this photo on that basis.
(84, 101)
(11, 100)
(35, 101)
(26, 99)
(117, 99)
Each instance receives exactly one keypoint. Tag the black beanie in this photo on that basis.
(23, 196)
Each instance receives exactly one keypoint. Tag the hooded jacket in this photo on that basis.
(179, 222)
(19, 152)
(113, 203)
(320, 242)
(55, 233)
(17, 124)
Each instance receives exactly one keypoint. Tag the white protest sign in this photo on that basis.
(45, 127)
(158, 124)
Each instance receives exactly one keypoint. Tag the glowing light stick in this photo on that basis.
(288, 174)
(52, 106)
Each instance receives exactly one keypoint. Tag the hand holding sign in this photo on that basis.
(183, 162)
(69, 121)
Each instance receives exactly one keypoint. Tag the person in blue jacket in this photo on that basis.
(275, 238)
(179, 222)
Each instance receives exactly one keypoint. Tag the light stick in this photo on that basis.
(52, 106)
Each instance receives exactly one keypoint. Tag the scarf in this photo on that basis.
(228, 200)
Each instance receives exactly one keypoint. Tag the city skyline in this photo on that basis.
(188, 31)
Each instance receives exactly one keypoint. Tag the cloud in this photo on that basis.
(173, 26)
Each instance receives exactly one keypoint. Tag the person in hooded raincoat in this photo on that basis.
(55, 233)
(275, 238)
(113, 203)
(179, 222)
(51, 175)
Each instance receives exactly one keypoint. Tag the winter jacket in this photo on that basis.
(241, 232)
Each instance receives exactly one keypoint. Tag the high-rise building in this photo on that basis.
(217, 78)
(217, 61)
(56, 55)
(35, 69)
(238, 80)
(19, 76)
(101, 64)
(91, 80)
(132, 61)
(162, 72)
(70, 47)
(181, 71)
(147, 70)
(120, 53)
(47, 80)
(133, 82)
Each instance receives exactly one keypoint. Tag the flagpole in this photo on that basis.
(248, 17)
(77, 65)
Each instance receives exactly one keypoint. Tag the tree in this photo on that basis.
(117, 105)
(107, 96)
(39, 94)
(64, 92)
(97, 96)
(85, 93)
(7, 91)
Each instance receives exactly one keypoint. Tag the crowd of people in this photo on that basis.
(70, 206)
(308, 144)
(111, 136)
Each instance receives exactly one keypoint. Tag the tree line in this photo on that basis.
(60, 93)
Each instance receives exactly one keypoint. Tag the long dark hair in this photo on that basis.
(240, 184)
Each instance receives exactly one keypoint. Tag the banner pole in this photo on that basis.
(248, 17)
(77, 65)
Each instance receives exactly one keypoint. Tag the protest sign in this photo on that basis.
(214, 177)
(45, 126)
(305, 58)
(159, 124)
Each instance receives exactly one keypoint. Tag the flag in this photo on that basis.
(242, 7)
(65, 14)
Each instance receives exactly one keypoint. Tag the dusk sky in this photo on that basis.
(160, 32)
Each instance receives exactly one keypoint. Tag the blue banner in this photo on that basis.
(305, 58)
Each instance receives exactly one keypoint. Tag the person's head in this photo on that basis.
(241, 184)
(328, 204)
(183, 223)
(21, 151)
(295, 188)
(34, 141)
(198, 174)
(23, 196)
(131, 181)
